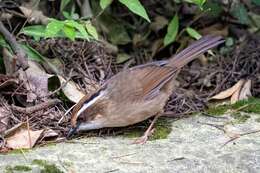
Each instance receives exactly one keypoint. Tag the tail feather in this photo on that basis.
(194, 50)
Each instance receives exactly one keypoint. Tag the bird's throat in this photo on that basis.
(89, 126)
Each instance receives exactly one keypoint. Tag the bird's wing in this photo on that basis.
(140, 83)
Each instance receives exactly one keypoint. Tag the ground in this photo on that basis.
(192, 146)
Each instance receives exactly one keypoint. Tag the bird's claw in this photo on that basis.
(142, 140)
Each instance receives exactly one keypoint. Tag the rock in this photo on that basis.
(192, 146)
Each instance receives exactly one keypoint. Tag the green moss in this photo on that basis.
(47, 167)
(217, 110)
(18, 168)
(19, 151)
(162, 129)
(67, 163)
(252, 105)
(22, 168)
(240, 118)
(8, 169)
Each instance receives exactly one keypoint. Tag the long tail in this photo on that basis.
(193, 51)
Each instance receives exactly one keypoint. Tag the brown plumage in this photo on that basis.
(135, 94)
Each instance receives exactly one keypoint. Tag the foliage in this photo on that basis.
(172, 31)
(68, 28)
(239, 11)
(193, 33)
(63, 4)
(136, 7)
(256, 2)
(105, 3)
(200, 3)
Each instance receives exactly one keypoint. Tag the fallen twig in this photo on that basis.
(8, 83)
(38, 107)
(238, 136)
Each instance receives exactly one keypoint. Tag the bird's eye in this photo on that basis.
(80, 118)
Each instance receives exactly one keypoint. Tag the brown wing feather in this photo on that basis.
(193, 51)
(139, 83)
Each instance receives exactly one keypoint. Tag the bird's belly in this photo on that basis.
(133, 113)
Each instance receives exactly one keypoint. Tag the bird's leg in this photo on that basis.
(147, 133)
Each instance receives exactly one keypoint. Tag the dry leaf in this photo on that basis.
(216, 29)
(203, 60)
(245, 92)
(36, 82)
(235, 96)
(157, 45)
(71, 90)
(34, 16)
(159, 23)
(20, 137)
(49, 133)
(230, 91)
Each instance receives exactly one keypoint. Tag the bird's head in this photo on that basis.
(88, 113)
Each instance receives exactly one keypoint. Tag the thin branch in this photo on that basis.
(85, 9)
(38, 107)
(20, 54)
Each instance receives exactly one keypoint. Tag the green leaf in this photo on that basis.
(66, 15)
(53, 28)
(3, 43)
(92, 30)
(115, 30)
(34, 31)
(197, 2)
(239, 11)
(172, 31)
(122, 57)
(32, 53)
(256, 2)
(105, 3)
(213, 9)
(193, 33)
(79, 27)
(63, 4)
(38, 31)
(69, 32)
(229, 41)
(136, 7)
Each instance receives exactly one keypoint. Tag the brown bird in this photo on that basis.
(135, 94)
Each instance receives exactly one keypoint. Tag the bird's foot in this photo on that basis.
(142, 140)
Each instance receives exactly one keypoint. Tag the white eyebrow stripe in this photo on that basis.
(86, 105)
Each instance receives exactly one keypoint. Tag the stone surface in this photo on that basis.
(192, 146)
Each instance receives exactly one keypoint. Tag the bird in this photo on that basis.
(135, 94)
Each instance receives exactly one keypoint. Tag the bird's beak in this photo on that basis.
(83, 126)
(72, 131)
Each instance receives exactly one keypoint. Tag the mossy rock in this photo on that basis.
(252, 105)
(46, 166)
(162, 129)
(17, 168)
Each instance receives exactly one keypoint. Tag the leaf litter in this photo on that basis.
(91, 63)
